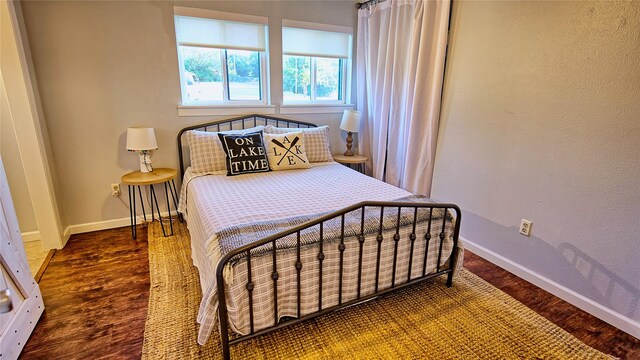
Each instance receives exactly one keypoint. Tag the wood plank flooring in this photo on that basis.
(591, 330)
(96, 291)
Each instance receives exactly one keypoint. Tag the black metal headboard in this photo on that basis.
(238, 123)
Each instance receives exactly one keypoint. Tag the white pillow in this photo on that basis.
(316, 140)
(286, 151)
(205, 149)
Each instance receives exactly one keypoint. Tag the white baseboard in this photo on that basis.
(30, 236)
(66, 235)
(108, 224)
(618, 320)
(98, 225)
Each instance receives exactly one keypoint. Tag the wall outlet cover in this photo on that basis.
(115, 189)
(525, 227)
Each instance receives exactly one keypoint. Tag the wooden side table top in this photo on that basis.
(355, 159)
(157, 176)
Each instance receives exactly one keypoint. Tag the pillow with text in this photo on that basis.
(245, 154)
(205, 149)
(316, 140)
(286, 151)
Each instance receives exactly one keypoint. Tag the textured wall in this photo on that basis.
(105, 66)
(541, 120)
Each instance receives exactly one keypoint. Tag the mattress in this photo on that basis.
(214, 202)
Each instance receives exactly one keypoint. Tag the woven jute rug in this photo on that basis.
(471, 320)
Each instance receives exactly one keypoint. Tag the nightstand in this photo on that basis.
(357, 160)
(157, 176)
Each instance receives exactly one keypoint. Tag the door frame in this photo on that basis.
(18, 79)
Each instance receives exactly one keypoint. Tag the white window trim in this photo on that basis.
(226, 110)
(225, 104)
(291, 109)
(219, 15)
(316, 26)
(264, 84)
(321, 105)
(224, 62)
(346, 88)
(264, 106)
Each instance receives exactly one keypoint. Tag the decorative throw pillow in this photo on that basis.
(316, 141)
(205, 149)
(286, 151)
(245, 153)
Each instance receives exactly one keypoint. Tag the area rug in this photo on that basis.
(471, 320)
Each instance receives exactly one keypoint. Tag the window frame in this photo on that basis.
(344, 69)
(263, 59)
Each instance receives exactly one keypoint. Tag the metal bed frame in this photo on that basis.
(237, 123)
(246, 251)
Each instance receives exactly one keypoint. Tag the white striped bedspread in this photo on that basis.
(215, 202)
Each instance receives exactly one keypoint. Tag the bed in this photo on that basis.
(280, 247)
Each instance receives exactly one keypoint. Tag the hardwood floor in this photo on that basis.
(96, 291)
(591, 330)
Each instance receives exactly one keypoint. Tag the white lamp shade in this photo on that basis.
(350, 121)
(139, 139)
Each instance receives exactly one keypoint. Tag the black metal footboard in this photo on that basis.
(429, 223)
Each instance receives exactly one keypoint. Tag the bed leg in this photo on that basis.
(226, 355)
(222, 314)
(224, 340)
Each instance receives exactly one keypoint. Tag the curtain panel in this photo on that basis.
(400, 67)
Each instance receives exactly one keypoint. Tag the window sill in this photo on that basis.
(226, 110)
(314, 108)
(289, 109)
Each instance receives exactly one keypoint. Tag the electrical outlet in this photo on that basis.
(115, 189)
(525, 227)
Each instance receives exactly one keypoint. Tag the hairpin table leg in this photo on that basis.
(153, 215)
(166, 194)
(133, 226)
(139, 179)
(174, 195)
(142, 204)
(135, 220)
(155, 200)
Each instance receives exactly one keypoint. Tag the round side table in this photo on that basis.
(138, 179)
(357, 160)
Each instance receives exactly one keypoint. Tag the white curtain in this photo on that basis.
(400, 64)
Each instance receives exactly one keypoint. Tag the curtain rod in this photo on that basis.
(368, 4)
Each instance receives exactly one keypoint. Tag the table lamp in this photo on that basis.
(142, 140)
(350, 123)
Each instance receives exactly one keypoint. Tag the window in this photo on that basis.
(222, 57)
(315, 62)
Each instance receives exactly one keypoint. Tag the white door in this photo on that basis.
(20, 300)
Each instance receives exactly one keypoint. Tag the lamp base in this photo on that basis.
(349, 142)
(145, 161)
